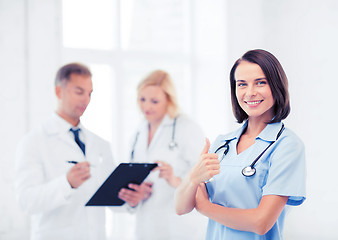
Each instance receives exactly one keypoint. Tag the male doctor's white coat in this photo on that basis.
(58, 211)
(156, 217)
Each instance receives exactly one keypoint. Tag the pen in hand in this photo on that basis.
(76, 162)
(73, 162)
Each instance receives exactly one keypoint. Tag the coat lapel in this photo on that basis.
(165, 122)
(56, 126)
(89, 141)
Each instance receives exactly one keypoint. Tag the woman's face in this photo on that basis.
(153, 103)
(253, 91)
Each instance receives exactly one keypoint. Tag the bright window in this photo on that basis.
(100, 110)
(156, 26)
(89, 24)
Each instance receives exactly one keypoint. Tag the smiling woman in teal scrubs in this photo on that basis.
(247, 179)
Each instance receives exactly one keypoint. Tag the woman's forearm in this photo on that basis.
(239, 219)
(258, 220)
(185, 196)
(207, 167)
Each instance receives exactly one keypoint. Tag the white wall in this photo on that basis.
(28, 61)
(302, 34)
(12, 103)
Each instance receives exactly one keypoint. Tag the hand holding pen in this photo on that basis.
(78, 174)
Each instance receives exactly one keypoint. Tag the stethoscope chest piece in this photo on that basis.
(248, 171)
(172, 145)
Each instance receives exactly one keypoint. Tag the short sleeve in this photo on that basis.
(287, 173)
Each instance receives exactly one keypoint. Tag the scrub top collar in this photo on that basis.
(268, 134)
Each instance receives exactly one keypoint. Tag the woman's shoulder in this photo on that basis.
(187, 122)
(189, 130)
(184, 118)
(289, 137)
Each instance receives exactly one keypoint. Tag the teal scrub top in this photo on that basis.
(280, 171)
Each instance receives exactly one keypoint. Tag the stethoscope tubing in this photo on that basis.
(172, 144)
(250, 170)
(259, 156)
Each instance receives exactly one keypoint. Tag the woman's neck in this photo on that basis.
(255, 127)
(152, 127)
(248, 137)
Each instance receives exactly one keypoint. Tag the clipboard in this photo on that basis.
(125, 173)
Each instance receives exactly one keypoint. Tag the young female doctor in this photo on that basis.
(174, 142)
(245, 181)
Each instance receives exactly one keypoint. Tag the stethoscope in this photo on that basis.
(249, 170)
(172, 144)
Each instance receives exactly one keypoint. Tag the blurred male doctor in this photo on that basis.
(61, 164)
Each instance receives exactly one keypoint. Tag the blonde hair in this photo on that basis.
(163, 80)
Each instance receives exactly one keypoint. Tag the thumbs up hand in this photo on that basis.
(207, 166)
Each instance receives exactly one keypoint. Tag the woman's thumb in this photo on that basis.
(206, 147)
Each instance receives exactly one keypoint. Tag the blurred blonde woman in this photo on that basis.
(174, 142)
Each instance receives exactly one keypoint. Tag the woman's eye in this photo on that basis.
(261, 83)
(142, 99)
(154, 101)
(241, 84)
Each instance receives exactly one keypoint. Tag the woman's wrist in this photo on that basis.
(194, 180)
(201, 206)
(175, 182)
(202, 202)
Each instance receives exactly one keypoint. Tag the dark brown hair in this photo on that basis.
(277, 81)
(63, 74)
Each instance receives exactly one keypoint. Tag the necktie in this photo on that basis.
(78, 141)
